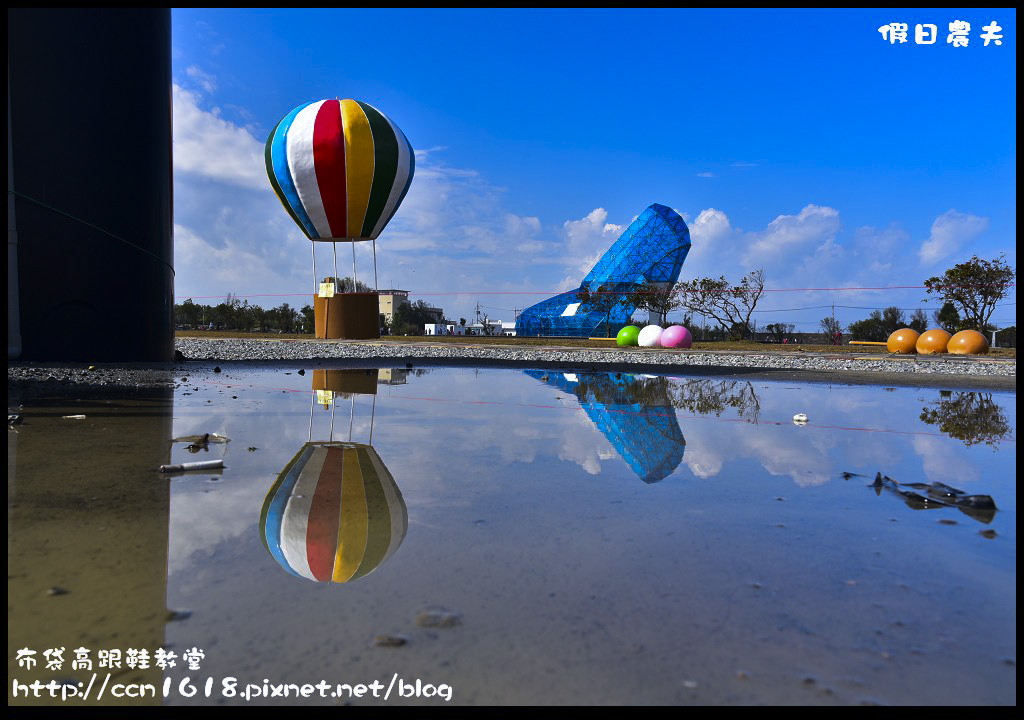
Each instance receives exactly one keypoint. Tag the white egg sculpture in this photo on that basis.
(650, 336)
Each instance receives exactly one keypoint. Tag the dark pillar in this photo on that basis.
(89, 95)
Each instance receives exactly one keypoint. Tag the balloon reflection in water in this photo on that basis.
(335, 512)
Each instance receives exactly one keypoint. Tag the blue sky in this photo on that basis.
(799, 141)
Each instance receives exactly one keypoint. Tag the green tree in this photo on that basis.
(188, 313)
(831, 327)
(948, 318)
(975, 288)
(409, 318)
(918, 321)
(892, 320)
(308, 321)
(870, 329)
(879, 325)
(605, 299)
(780, 330)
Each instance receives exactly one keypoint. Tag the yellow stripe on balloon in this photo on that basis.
(359, 155)
(354, 518)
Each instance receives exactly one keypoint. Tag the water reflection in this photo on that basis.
(335, 512)
(87, 537)
(800, 572)
(635, 414)
(713, 397)
(972, 417)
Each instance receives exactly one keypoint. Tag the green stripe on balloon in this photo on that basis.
(385, 146)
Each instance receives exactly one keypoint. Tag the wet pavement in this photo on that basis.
(504, 536)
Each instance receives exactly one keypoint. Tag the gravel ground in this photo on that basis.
(943, 371)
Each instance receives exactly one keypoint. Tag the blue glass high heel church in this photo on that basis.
(652, 250)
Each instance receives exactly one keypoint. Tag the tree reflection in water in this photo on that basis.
(971, 417)
(714, 397)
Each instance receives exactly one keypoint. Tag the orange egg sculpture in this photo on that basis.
(933, 341)
(903, 342)
(968, 342)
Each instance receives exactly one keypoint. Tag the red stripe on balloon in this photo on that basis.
(329, 162)
(324, 516)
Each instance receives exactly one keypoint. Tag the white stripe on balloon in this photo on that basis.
(295, 523)
(299, 147)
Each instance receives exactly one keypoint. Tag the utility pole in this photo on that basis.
(833, 318)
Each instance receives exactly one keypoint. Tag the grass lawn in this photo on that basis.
(721, 346)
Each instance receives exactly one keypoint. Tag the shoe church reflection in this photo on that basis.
(335, 512)
(634, 412)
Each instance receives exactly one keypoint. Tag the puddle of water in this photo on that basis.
(521, 537)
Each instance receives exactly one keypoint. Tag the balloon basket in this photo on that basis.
(347, 316)
(363, 382)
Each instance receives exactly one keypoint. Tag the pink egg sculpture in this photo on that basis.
(676, 336)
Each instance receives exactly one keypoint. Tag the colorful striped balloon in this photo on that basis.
(340, 168)
(334, 514)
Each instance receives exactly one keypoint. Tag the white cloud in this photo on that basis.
(212, 148)
(806, 231)
(705, 175)
(950, 232)
(587, 239)
(205, 80)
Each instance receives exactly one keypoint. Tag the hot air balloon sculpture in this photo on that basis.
(341, 169)
(335, 513)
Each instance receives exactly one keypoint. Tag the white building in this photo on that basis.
(441, 329)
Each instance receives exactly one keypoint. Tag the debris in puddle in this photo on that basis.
(990, 533)
(253, 449)
(947, 521)
(689, 684)
(216, 369)
(74, 417)
(438, 617)
(302, 372)
(54, 591)
(937, 495)
(201, 465)
(800, 419)
(178, 615)
(204, 438)
(13, 419)
(390, 640)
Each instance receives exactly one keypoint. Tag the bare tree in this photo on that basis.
(730, 306)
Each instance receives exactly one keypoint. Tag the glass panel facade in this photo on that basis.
(652, 249)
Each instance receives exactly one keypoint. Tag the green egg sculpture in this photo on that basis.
(627, 336)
